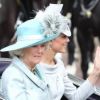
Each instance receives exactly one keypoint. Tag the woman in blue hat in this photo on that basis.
(24, 79)
(56, 74)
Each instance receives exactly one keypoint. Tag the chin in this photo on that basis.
(62, 51)
(37, 61)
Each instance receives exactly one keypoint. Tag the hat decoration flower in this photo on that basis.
(52, 20)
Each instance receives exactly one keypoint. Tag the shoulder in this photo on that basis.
(11, 73)
(60, 63)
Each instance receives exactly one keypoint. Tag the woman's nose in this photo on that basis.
(40, 48)
(67, 40)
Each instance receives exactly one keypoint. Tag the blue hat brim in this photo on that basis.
(28, 43)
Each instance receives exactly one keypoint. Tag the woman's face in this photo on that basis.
(33, 55)
(60, 43)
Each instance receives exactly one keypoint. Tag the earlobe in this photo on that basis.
(49, 45)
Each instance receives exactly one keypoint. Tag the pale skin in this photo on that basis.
(32, 55)
(94, 77)
(58, 45)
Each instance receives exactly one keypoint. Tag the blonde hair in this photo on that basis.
(17, 53)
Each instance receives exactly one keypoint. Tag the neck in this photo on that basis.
(48, 57)
(30, 65)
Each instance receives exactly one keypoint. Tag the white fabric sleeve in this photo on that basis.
(80, 93)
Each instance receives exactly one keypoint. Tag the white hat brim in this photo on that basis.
(67, 32)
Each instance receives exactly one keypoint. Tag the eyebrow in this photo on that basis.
(63, 35)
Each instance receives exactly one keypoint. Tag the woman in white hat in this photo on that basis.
(59, 83)
(23, 79)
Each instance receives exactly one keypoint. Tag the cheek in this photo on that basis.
(43, 49)
(57, 45)
(38, 51)
(59, 42)
(31, 52)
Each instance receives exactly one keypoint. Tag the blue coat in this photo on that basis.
(19, 83)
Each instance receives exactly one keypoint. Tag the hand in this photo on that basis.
(94, 77)
(97, 59)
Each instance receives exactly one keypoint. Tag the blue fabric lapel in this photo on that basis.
(22, 67)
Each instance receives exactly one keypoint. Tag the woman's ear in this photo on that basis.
(49, 45)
